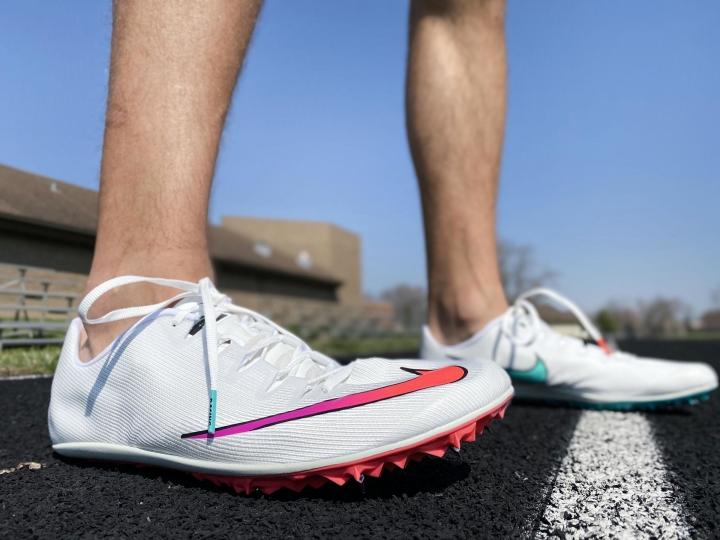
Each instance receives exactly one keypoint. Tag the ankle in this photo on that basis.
(187, 266)
(454, 318)
(190, 262)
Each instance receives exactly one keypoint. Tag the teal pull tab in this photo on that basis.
(213, 411)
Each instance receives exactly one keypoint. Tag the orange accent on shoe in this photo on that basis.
(604, 346)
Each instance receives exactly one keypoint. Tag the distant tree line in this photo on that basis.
(519, 272)
(660, 317)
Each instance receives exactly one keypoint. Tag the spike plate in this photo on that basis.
(372, 466)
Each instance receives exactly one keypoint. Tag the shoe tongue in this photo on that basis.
(279, 355)
(573, 340)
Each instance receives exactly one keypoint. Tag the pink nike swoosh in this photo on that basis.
(426, 378)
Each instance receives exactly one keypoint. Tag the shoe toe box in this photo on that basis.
(696, 375)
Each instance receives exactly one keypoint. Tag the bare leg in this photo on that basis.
(455, 114)
(173, 69)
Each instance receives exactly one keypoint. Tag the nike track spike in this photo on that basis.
(201, 385)
(549, 367)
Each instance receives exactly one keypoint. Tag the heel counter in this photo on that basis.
(57, 410)
(429, 347)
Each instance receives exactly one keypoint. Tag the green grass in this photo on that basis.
(28, 360)
(701, 335)
(42, 360)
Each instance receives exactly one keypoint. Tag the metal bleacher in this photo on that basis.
(36, 306)
(323, 320)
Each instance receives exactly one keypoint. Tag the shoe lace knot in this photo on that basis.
(522, 323)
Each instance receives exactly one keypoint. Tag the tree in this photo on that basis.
(620, 320)
(409, 304)
(659, 317)
(662, 316)
(518, 269)
(715, 297)
(606, 322)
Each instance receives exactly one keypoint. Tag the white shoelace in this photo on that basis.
(522, 323)
(203, 300)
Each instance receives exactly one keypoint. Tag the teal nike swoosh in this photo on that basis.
(536, 374)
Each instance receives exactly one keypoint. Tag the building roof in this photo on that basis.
(39, 200)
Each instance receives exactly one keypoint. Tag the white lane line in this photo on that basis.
(613, 483)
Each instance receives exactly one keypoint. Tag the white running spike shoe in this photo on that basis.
(546, 366)
(201, 385)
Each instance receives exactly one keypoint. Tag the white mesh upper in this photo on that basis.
(151, 387)
(578, 369)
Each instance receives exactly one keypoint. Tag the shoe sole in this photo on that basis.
(373, 465)
(650, 405)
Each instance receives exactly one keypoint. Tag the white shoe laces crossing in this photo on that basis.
(202, 300)
(522, 323)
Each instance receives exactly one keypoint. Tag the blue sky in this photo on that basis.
(611, 159)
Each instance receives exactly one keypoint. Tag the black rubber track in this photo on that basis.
(497, 487)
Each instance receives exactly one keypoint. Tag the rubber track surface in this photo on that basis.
(496, 487)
